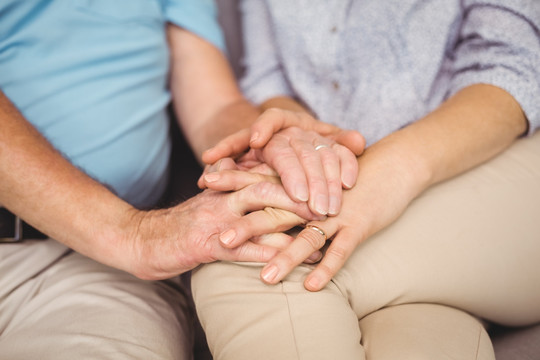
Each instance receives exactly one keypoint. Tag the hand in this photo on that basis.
(312, 167)
(167, 242)
(274, 120)
(385, 187)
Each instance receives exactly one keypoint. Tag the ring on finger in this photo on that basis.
(321, 146)
(317, 229)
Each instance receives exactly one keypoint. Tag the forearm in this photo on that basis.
(471, 127)
(206, 98)
(42, 187)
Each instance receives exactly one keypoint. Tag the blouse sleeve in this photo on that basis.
(499, 44)
(264, 77)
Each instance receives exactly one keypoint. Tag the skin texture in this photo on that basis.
(471, 127)
(308, 172)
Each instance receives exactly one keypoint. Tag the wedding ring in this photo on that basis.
(319, 147)
(317, 229)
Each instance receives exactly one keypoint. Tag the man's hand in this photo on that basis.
(165, 243)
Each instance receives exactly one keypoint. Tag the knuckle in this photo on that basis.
(326, 270)
(275, 215)
(287, 259)
(263, 189)
(337, 252)
(329, 156)
(304, 154)
(334, 183)
(274, 112)
(317, 182)
(313, 239)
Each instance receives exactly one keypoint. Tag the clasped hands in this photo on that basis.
(313, 163)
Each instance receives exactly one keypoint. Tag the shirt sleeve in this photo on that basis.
(197, 16)
(499, 44)
(264, 77)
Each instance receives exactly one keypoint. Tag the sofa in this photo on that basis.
(509, 343)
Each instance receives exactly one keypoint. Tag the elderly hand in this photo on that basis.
(312, 167)
(164, 243)
(387, 183)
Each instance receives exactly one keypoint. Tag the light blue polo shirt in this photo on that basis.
(91, 75)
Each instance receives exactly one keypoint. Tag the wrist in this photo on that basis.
(403, 162)
(108, 234)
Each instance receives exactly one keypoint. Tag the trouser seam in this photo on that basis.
(478, 343)
(291, 321)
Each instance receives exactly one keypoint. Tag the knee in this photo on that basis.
(424, 331)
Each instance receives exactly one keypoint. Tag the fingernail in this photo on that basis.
(333, 207)
(269, 273)
(313, 283)
(211, 177)
(227, 237)
(254, 137)
(321, 204)
(301, 193)
(348, 181)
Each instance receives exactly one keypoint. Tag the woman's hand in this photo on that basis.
(387, 182)
(312, 167)
(469, 128)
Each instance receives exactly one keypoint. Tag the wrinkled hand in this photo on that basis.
(167, 242)
(385, 187)
(312, 167)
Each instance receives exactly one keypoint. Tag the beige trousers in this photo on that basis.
(57, 304)
(467, 248)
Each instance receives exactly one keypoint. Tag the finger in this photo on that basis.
(351, 139)
(273, 120)
(257, 223)
(222, 164)
(278, 240)
(248, 251)
(332, 171)
(281, 241)
(264, 169)
(306, 243)
(200, 181)
(312, 166)
(283, 158)
(348, 166)
(231, 146)
(335, 257)
(234, 180)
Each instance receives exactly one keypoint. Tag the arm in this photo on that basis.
(46, 190)
(210, 106)
(471, 127)
(42, 187)
(206, 97)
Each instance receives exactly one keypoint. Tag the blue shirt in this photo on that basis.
(376, 66)
(91, 75)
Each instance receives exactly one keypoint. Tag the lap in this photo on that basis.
(468, 243)
(245, 319)
(76, 307)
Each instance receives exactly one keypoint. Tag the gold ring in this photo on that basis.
(319, 147)
(317, 229)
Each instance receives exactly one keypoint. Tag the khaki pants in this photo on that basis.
(467, 248)
(57, 304)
